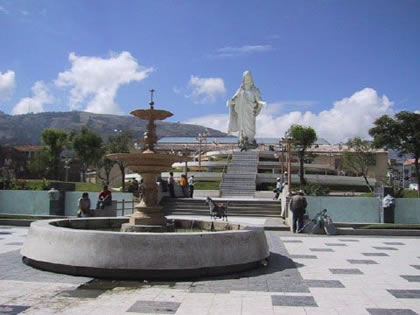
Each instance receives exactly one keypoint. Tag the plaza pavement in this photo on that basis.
(306, 275)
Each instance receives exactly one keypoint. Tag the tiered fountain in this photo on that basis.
(147, 246)
(150, 164)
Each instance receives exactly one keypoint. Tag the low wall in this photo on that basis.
(345, 209)
(24, 202)
(407, 211)
(72, 200)
(33, 202)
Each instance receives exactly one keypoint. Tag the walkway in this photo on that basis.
(305, 275)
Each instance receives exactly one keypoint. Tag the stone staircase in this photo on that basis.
(243, 208)
(239, 180)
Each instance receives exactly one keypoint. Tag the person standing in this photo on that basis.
(171, 185)
(278, 189)
(298, 205)
(191, 185)
(184, 185)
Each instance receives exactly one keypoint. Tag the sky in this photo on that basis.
(334, 65)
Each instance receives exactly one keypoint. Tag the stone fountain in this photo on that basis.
(108, 248)
(148, 216)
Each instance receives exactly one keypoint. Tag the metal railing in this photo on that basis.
(127, 207)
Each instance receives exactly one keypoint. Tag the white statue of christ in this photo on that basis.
(244, 107)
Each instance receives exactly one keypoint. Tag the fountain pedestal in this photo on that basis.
(148, 216)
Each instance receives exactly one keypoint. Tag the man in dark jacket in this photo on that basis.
(297, 206)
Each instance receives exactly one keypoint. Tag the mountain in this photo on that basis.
(27, 128)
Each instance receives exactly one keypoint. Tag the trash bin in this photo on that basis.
(388, 204)
(389, 214)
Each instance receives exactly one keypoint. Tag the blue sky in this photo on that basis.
(334, 65)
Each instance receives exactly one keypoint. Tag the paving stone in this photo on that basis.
(348, 240)
(303, 256)
(385, 248)
(324, 284)
(321, 249)
(405, 294)
(390, 311)
(416, 266)
(12, 268)
(292, 241)
(375, 254)
(411, 278)
(394, 243)
(81, 293)
(154, 307)
(287, 300)
(335, 244)
(348, 271)
(362, 261)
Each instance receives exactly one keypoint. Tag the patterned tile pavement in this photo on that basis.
(295, 282)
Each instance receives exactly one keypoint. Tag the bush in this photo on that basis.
(315, 190)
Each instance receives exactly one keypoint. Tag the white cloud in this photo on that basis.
(34, 104)
(216, 121)
(349, 117)
(230, 51)
(95, 80)
(7, 84)
(206, 90)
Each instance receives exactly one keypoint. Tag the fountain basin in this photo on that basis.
(81, 247)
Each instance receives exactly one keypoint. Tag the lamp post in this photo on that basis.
(201, 137)
(67, 163)
(288, 140)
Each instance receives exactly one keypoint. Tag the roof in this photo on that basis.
(28, 148)
(409, 162)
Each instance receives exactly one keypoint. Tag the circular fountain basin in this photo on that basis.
(85, 247)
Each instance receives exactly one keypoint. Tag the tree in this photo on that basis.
(358, 157)
(302, 138)
(54, 141)
(38, 165)
(88, 148)
(121, 143)
(106, 165)
(402, 134)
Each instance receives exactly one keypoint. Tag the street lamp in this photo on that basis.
(201, 137)
(67, 165)
(288, 139)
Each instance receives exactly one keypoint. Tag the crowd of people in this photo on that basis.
(187, 185)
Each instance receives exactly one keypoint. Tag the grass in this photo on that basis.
(88, 187)
(39, 184)
(206, 185)
(391, 226)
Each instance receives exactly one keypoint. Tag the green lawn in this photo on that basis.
(206, 185)
(39, 184)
